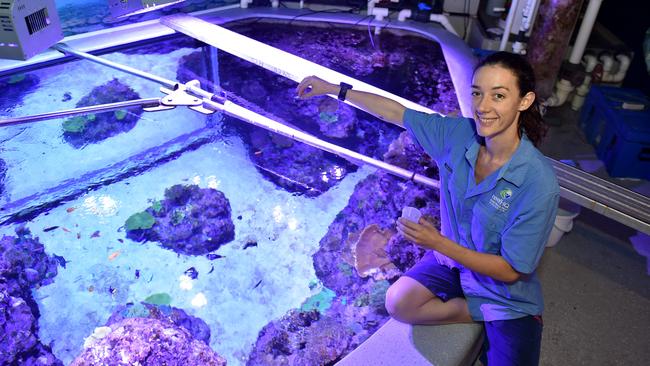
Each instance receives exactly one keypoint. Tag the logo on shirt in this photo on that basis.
(500, 202)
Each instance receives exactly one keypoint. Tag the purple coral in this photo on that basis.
(23, 265)
(190, 220)
(195, 326)
(82, 130)
(301, 338)
(146, 342)
(24, 262)
(3, 174)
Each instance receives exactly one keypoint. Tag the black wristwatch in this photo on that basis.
(344, 90)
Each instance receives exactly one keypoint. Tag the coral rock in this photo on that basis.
(370, 257)
(141, 341)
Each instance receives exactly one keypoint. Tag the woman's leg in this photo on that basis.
(408, 301)
(514, 342)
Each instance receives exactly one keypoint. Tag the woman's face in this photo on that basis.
(496, 102)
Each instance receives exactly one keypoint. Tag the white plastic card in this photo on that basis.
(411, 213)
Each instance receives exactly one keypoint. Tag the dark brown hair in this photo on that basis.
(530, 120)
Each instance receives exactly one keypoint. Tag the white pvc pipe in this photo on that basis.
(608, 63)
(590, 62)
(404, 14)
(442, 19)
(509, 20)
(380, 14)
(371, 6)
(585, 31)
(623, 65)
(526, 23)
(562, 90)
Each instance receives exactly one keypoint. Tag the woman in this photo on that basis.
(499, 198)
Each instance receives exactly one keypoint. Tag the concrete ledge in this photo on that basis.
(398, 344)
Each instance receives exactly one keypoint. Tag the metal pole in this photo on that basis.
(80, 111)
(67, 50)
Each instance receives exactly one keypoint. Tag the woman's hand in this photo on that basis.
(313, 86)
(423, 233)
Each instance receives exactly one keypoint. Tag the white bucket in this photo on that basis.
(563, 224)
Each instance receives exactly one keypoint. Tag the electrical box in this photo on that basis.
(27, 27)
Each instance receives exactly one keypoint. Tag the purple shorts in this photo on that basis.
(442, 281)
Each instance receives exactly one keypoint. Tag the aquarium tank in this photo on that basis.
(153, 232)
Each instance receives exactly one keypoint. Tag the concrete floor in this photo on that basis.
(596, 284)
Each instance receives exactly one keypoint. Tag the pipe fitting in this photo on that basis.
(590, 62)
(380, 14)
(563, 89)
(608, 63)
(580, 95)
(371, 6)
(404, 14)
(519, 48)
(623, 65)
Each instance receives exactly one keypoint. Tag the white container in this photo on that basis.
(563, 224)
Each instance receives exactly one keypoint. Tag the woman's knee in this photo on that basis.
(394, 301)
(399, 300)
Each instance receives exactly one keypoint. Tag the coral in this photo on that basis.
(23, 266)
(92, 128)
(15, 88)
(23, 259)
(336, 119)
(190, 220)
(145, 341)
(159, 299)
(320, 302)
(301, 338)
(3, 174)
(146, 309)
(140, 221)
(369, 251)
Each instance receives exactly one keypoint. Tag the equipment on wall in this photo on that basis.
(125, 8)
(27, 27)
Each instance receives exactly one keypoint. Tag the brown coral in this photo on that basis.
(370, 257)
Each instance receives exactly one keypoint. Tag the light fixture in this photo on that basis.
(125, 8)
(27, 27)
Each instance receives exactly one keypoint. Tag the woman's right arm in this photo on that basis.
(381, 107)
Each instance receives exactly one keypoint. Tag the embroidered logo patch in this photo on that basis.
(500, 202)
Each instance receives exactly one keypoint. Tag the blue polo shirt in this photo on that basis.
(510, 213)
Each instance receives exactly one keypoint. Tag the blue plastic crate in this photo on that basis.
(621, 136)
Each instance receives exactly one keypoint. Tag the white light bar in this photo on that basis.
(125, 8)
(270, 58)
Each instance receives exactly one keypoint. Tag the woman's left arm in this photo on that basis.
(426, 235)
